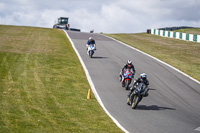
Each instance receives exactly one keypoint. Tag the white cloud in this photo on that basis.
(110, 16)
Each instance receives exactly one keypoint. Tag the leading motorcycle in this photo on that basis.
(90, 50)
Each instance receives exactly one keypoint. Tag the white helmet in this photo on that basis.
(143, 75)
(129, 63)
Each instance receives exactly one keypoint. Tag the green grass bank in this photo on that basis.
(178, 53)
(189, 31)
(43, 87)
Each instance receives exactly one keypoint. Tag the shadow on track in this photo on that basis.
(153, 107)
(152, 89)
(98, 57)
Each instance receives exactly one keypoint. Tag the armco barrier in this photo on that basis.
(176, 35)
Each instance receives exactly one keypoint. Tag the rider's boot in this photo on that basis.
(123, 84)
(120, 78)
(146, 92)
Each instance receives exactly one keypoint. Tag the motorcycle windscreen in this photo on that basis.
(140, 86)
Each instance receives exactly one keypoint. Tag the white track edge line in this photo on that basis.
(156, 59)
(93, 87)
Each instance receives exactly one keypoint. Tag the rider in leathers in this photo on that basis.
(128, 65)
(91, 41)
(142, 78)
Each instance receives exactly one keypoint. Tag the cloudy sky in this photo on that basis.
(108, 16)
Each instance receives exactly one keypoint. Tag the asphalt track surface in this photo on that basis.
(173, 104)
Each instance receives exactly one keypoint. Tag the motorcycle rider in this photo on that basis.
(91, 41)
(142, 78)
(128, 65)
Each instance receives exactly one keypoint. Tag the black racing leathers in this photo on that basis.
(131, 67)
(140, 80)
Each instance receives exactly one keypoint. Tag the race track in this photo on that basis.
(173, 104)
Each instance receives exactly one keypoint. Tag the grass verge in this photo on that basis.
(43, 87)
(189, 31)
(180, 54)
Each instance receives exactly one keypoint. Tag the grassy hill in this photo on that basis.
(181, 54)
(189, 30)
(43, 87)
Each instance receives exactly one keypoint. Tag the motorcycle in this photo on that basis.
(137, 95)
(126, 78)
(90, 51)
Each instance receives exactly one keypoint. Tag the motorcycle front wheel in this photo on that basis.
(128, 101)
(127, 84)
(135, 102)
(90, 54)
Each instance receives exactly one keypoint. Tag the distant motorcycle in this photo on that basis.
(126, 78)
(136, 96)
(90, 51)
